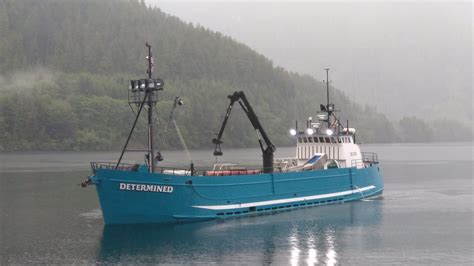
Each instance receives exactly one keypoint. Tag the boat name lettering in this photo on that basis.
(146, 188)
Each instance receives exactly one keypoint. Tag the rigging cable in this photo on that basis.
(182, 141)
(165, 131)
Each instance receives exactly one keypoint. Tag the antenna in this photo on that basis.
(327, 86)
(329, 106)
(150, 61)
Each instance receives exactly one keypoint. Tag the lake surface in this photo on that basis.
(424, 217)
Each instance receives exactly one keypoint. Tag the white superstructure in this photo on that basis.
(340, 148)
(326, 138)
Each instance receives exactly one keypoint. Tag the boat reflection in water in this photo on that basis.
(308, 236)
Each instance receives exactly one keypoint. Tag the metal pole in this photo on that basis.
(151, 152)
(327, 97)
(131, 131)
(327, 85)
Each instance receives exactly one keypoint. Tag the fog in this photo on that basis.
(405, 58)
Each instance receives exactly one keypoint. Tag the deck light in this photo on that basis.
(329, 132)
(293, 132)
(310, 131)
(150, 84)
(142, 84)
(159, 84)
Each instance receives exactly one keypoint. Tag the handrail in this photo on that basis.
(368, 159)
(178, 170)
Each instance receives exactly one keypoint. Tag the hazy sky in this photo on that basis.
(406, 58)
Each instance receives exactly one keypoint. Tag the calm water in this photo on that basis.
(425, 217)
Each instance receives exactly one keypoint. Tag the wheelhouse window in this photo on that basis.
(321, 139)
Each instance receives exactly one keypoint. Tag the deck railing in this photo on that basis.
(281, 165)
(368, 159)
(185, 171)
(112, 165)
(134, 168)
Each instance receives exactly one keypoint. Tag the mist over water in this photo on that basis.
(424, 217)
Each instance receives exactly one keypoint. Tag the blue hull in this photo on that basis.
(128, 197)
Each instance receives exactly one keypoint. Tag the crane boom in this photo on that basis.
(266, 145)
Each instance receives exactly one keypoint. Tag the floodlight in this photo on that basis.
(142, 84)
(159, 84)
(150, 84)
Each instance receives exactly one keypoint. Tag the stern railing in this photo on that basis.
(368, 159)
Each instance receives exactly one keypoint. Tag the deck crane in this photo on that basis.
(267, 148)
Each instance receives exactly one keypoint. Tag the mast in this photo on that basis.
(328, 105)
(143, 93)
(327, 86)
(151, 152)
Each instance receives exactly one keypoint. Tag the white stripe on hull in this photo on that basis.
(280, 201)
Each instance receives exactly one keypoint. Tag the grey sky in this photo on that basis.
(406, 58)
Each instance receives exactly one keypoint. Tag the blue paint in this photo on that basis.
(120, 206)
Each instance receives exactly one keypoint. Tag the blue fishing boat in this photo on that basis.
(329, 168)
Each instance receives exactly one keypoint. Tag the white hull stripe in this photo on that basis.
(287, 200)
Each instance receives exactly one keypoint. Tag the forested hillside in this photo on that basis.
(65, 67)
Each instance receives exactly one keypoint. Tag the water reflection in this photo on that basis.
(312, 251)
(326, 234)
(295, 251)
(301, 237)
(331, 251)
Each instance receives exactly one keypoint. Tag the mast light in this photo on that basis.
(146, 84)
(142, 84)
(293, 132)
(150, 84)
